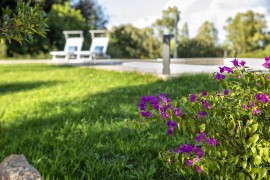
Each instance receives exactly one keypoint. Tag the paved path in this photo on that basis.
(141, 66)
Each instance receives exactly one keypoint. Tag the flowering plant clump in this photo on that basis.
(227, 132)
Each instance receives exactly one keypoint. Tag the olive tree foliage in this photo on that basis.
(167, 22)
(23, 23)
(207, 33)
(246, 31)
(92, 12)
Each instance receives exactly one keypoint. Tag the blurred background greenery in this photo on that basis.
(247, 34)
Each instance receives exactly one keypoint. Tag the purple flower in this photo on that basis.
(252, 104)
(262, 97)
(228, 69)
(256, 111)
(204, 93)
(205, 104)
(221, 69)
(192, 97)
(200, 137)
(154, 101)
(267, 77)
(225, 69)
(178, 112)
(242, 63)
(219, 76)
(142, 103)
(164, 98)
(146, 114)
(267, 62)
(235, 62)
(245, 107)
(198, 169)
(211, 142)
(170, 130)
(186, 148)
(171, 125)
(202, 114)
(198, 151)
(189, 162)
(163, 112)
(226, 92)
(196, 159)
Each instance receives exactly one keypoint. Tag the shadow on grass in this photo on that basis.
(24, 86)
(96, 137)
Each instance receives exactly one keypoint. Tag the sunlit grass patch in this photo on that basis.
(79, 123)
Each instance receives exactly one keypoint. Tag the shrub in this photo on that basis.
(227, 133)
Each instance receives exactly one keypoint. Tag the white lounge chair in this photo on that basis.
(98, 48)
(73, 43)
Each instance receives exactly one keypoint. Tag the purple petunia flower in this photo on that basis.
(186, 148)
(219, 76)
(192, 97)
(256, 111)
(204, 93)
(211, 142)
(198, 169)
(252, 104)
(244, 107)
(225, 69)
(178, 112)
(267, 77)
(267, 62)
(163, 97)
(189, 162)
(262, 97)
(221, 69)
(196, 159)
(170, 130)
(205, 104)
(242, 63)
(146, 114)
(171, 125)
(235, 62)
(202, 114)
(198, 151)
(226, 92)
(142, 103)
(163, 112)
(200, 137)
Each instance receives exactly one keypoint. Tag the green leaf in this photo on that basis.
(253, 128)
(224, 153)
(253, 139)
(202, 127)
(257, 160)
(244, 164)
(231, 125)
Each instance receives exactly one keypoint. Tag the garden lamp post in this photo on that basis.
(166, 53)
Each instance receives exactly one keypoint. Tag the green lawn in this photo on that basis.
(80, 123)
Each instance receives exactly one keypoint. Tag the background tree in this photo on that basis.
(246, 31)
(184, 33)
(207, 33)
(23, 23)
(126, 41)
(93, 13)
(167, 22)
(61, 15)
